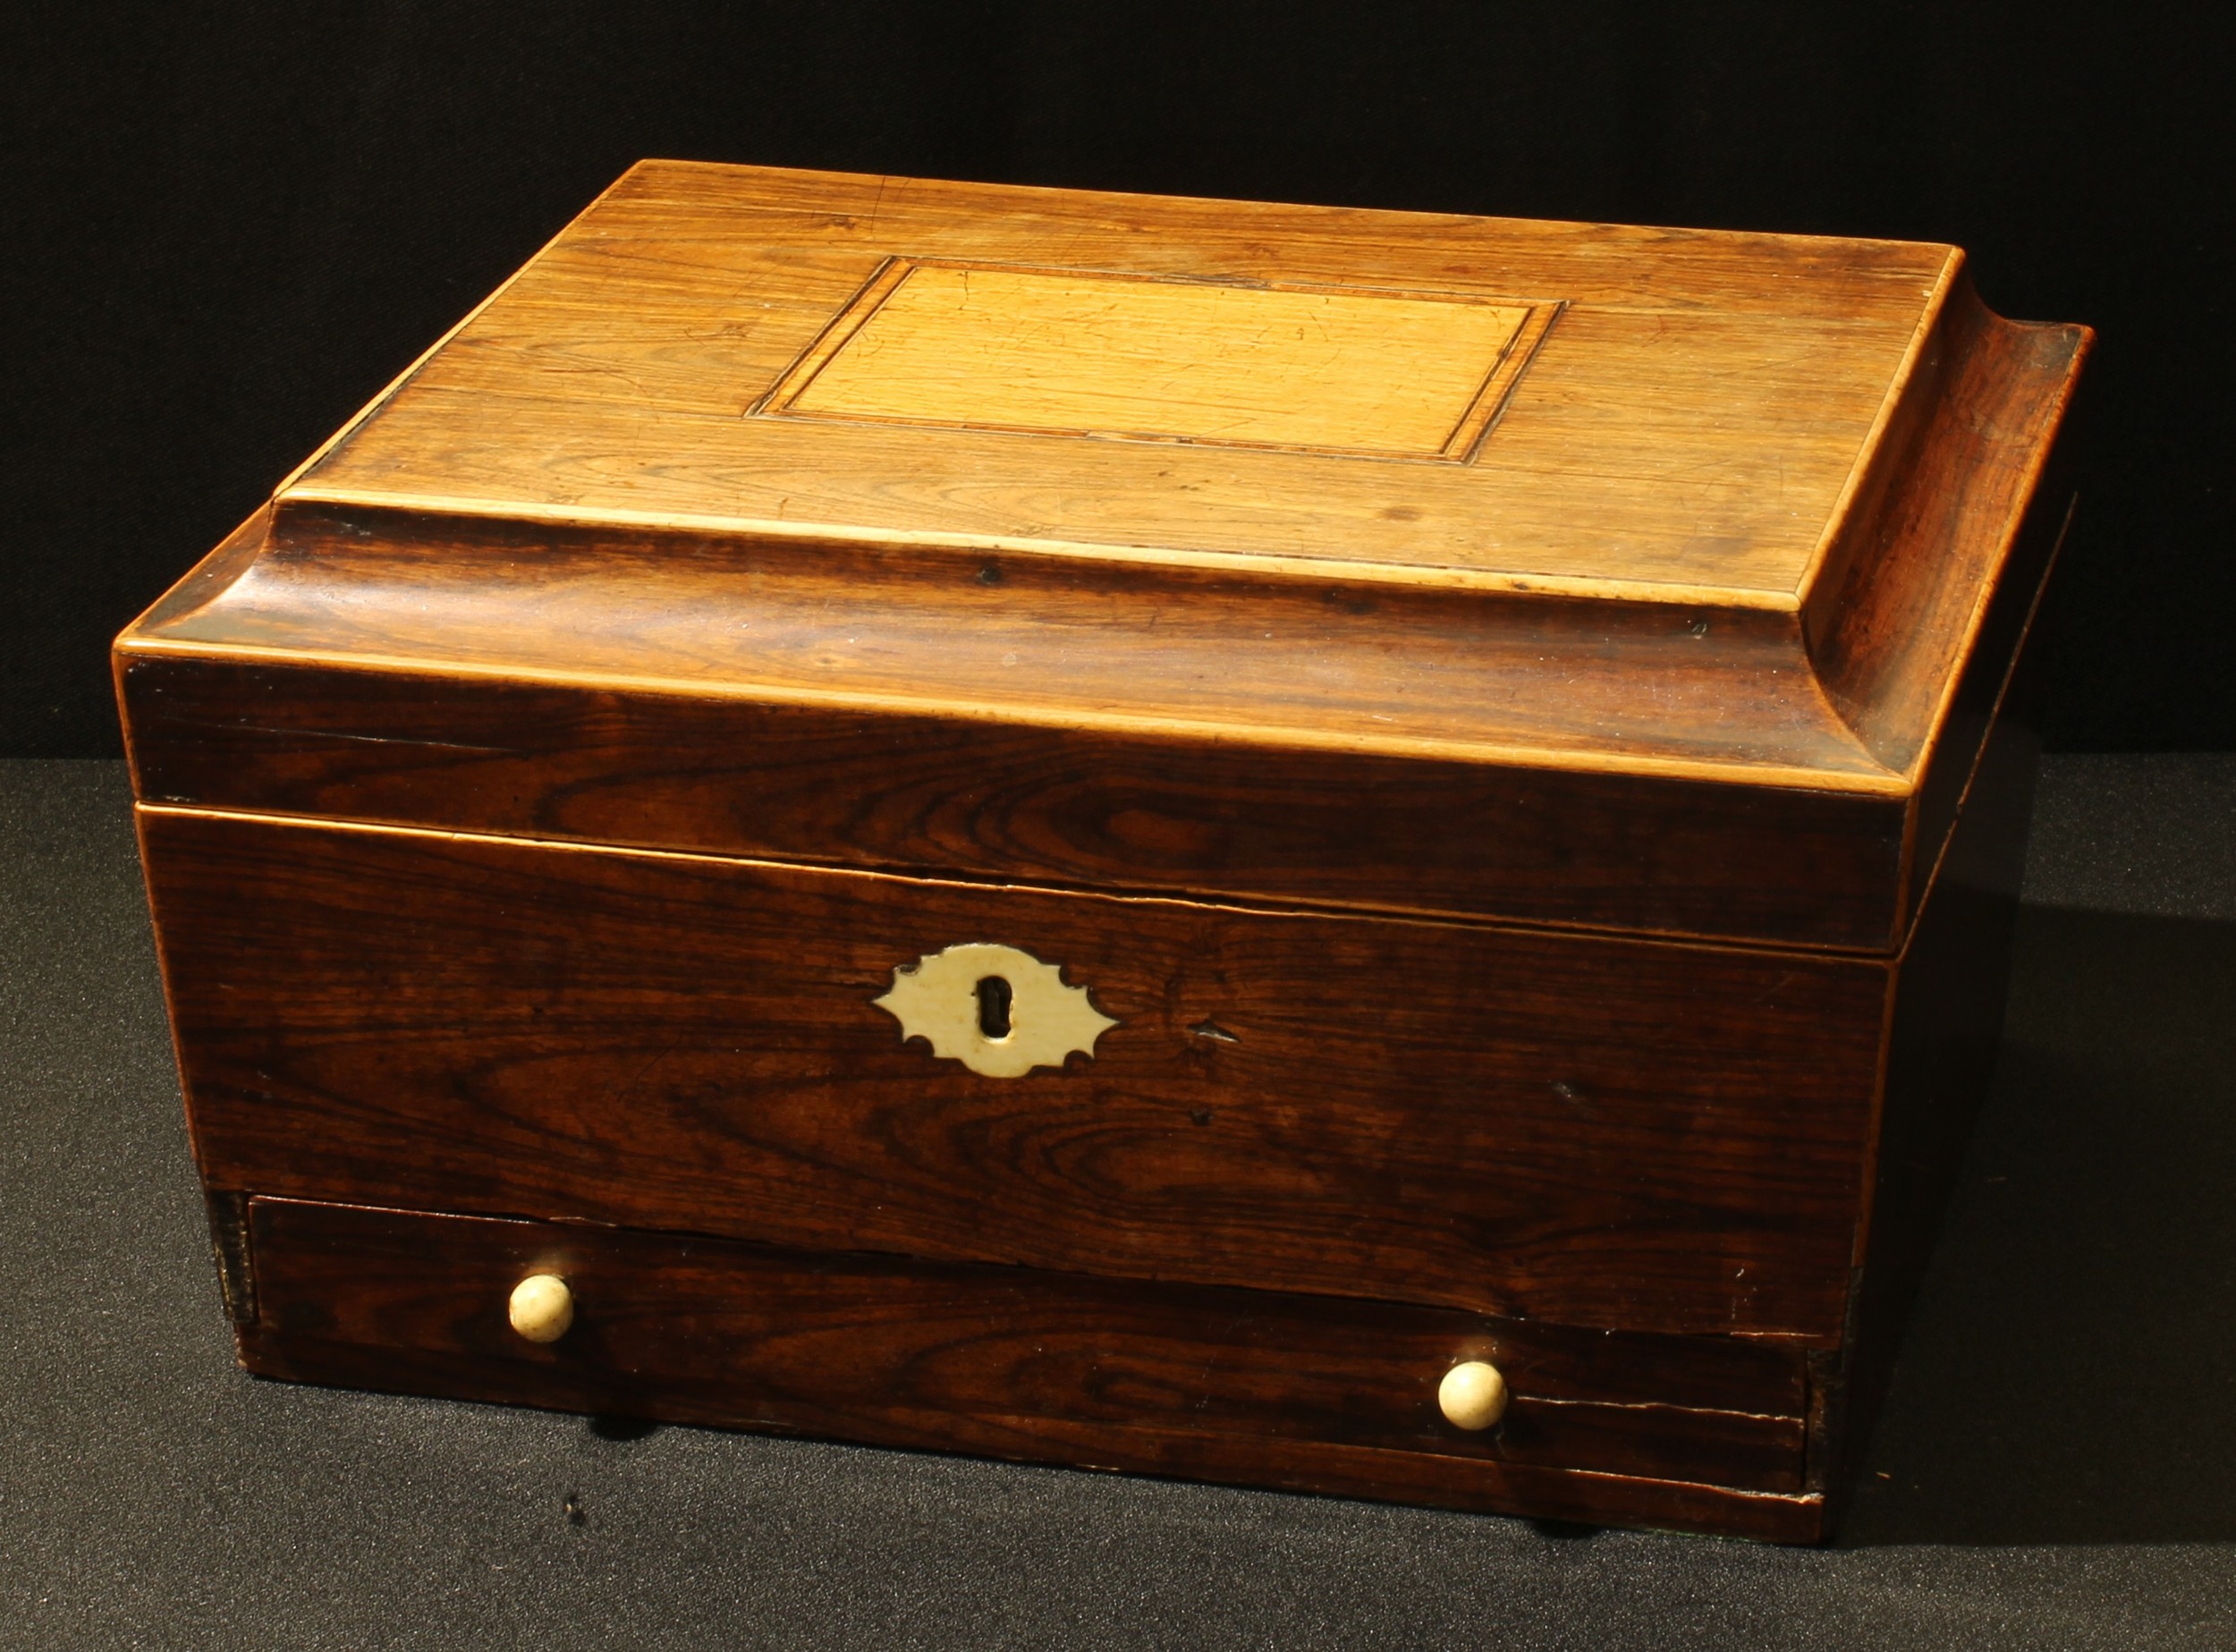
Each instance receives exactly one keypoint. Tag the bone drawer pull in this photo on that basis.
(1473, 1396)
(542, 1307)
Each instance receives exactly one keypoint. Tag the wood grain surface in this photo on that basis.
(1062, 806)
(1356, 699)
(1093, 727)
(1695, 420)
(1597, 1132)
(983, 346)
(1242, 1384)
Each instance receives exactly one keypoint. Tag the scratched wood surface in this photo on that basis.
(1596, 1132)
(1015, 1363)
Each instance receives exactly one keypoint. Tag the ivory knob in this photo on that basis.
(542, 1307)
(1473, 1396)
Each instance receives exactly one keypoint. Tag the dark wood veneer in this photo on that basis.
(1014, 1362)
(1602, 1133)
(1062, 806)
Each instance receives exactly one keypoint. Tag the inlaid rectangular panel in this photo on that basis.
(1273, 365)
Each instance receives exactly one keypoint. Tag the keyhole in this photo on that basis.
(993, 996)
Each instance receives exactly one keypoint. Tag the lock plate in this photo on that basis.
(998, 1011)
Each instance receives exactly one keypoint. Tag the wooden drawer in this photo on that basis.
(1585, 1131)
(1310, 1393)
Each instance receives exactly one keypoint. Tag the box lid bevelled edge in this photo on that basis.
(1630, 580)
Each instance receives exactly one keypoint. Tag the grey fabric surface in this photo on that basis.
(2144, 833)
(2057, 1468)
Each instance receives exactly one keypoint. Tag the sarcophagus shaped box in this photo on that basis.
(1341, 849)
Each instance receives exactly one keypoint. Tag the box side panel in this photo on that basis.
(1944, 1032)
(1592, 1131)
(2000, 678)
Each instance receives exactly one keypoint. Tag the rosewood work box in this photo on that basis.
(1352, 851)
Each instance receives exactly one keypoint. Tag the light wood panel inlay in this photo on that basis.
(1310, 368)
(1690, 424)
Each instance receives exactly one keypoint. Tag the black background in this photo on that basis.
(227, 225)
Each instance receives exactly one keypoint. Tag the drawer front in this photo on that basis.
(1253, 1387)
(1591, 1131)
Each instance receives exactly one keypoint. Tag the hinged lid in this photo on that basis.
(1296, 536)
